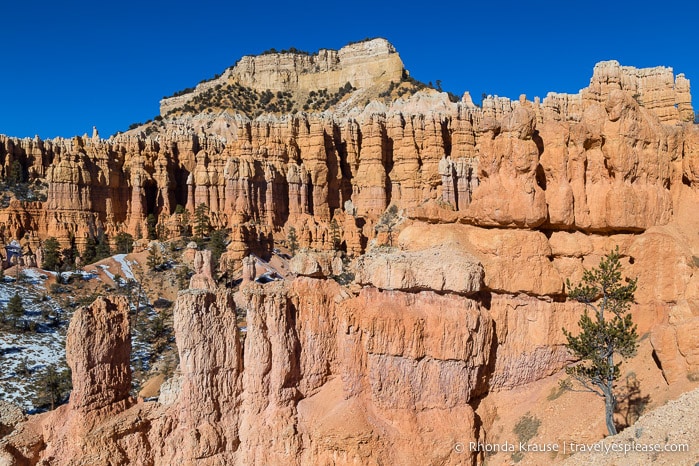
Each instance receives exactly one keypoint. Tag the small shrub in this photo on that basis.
(556, 392)
(526, 429)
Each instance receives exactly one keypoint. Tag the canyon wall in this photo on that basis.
(497, 207)
(614, 162)
(320, 379)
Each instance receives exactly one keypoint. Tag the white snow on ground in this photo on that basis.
(46, 346)
(105, 269)
(39, 348)
(35, 275)
(125, 266)
(41, 274)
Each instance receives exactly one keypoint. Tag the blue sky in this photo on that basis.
(66, 66)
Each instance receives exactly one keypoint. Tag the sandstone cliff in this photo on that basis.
(321, 377)
(614, 162)
(362, 64)
(499, 205)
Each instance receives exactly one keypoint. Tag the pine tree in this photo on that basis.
(15, 309)
(183, 275)
(217, 245)
(388, 222)
(71, 253)
(102, 250)
(124, 243)
(610, 332)
(161, 231)
(201, 221)
(184, 223)
(52, 257)
(154, 257)
(90, 251)
(67, 258)
(16, 173)
(335, 237)
(292, 240)
(53, 386)
(151, 225)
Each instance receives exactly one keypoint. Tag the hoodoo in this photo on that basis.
(423, 307)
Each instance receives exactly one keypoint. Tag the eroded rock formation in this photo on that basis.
(610, 163)
(500, 205)
(322, 375)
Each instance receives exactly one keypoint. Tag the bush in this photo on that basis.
(124, 243)
(526, 429)
(51, 249)
(53, 387)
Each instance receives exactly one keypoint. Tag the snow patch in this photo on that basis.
(125, 266)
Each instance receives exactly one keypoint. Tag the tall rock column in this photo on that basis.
(508, 192)
(370, 192)
(271, 377)
(207, 408)
(98, 349)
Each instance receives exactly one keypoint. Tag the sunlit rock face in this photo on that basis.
(457, 299)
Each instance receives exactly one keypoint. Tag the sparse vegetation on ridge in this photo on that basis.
(293, 50)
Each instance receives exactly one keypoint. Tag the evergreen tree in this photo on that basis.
(292, 240)
(124, 243)
(202, 222)
(610, 332)
(335, 236)
(67, 258)
(53, 387)
(90, 251)
(52, 258)
(154, 258)
(16, 173)
(388, 222)
(183, 274)
(23, 370)
(151, 223)
(15, 309)
(102, 250)
(184, 223)
(217, 245)
(71, 253)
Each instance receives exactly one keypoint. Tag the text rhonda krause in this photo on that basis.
(573, 447)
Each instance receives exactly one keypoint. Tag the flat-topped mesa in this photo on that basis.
(362, 64)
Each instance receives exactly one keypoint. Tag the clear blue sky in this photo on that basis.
(68, 65)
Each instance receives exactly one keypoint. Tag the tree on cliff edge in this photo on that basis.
(610, 332)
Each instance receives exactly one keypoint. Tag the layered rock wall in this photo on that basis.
(611, 161)
(321, 377)
(363, 64)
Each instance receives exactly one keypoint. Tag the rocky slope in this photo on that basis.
(455, 307)
(662, 437)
